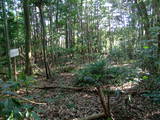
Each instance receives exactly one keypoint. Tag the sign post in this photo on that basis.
(13, 53)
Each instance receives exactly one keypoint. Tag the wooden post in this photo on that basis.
(14, 69)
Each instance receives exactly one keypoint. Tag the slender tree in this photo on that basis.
(6, 35)
(28, 68)
(44, 41)
(142, 11)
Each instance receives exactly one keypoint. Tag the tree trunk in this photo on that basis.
(44, 42)
(6, 35)
(156, 13)
(141, 7)
(66, 34)
(28, 68)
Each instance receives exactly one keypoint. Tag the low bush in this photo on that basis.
(11, 106)
(117, 55)
(100, 72)
(91, 74)
(121, 74)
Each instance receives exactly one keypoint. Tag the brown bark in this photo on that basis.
(28, 67)
(44, 42)
(6, 36)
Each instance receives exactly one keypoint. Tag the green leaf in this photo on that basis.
(11, 117)
(145, 77)
(35, 116)
(145, 47)
(109, 118)
(27, 114)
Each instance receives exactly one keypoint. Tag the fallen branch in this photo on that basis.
(30, 101)
(38, 68)
(92, 117)
(85, 89)
(25, 99)
(61, 87)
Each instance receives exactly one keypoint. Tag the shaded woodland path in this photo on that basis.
(68, 104)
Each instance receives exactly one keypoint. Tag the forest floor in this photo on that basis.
(65, 104)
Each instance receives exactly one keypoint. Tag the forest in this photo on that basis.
(79, 59)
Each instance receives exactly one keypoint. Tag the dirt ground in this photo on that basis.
(64, 104)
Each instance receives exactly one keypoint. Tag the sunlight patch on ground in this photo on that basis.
(125, 86)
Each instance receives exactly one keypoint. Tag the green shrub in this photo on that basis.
(121, 74)
(148, 59)
(11, 106)
(99, 73)
(91, 74)
(152, 86)
(153, 95)
(117, 55)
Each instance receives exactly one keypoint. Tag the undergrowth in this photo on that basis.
(12, 107)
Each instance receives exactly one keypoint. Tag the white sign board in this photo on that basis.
(14, 52)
